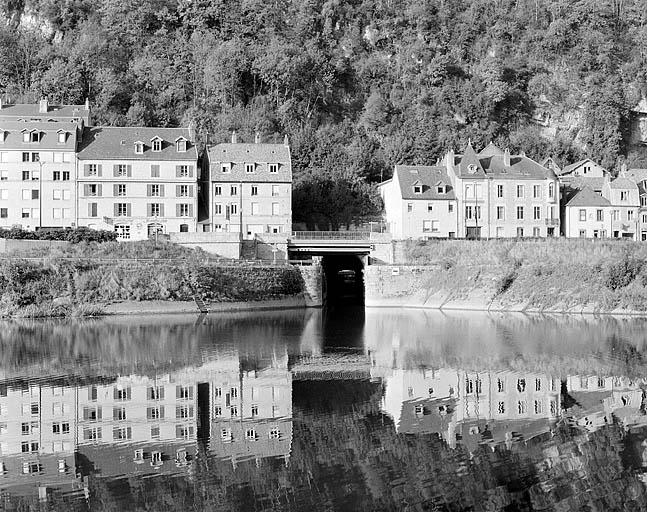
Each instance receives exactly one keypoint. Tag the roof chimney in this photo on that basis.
(623, 170)
(257, 138)
(286, 142)
(506, 157)
(87, 104)
(449, 160)
(43, 106)
(234, 139)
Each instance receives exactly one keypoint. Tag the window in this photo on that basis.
(519, 232)
(417, 189)
(26, 212)
(92, 190)
(91, 170)
(217, 209)
(520, 190)
(426, 226)
(217, 411)
(233, 209)
(25, 175)
(499, 190)
(430, 207)
(616, 215)
(233, 392)
(500, 212)
(225, 434)
(29, 446)
(217, 190)
(225, 168)
(539, 407)
(118, 413)
(184, 210)
(624, 195)
(233, 410)
(25, 156)
(522, 406)
(254, 190)
(521, 385)
(254, 208)
(139, 148)
(156, 458)
(92, 413)
(630, 215)
(450, 207)
(254, 411)
(4, 213)
(582, 233)
(275, 209)
(440, 189)
(183, 412)
(120, 393)
(536, 232)
(536, 191)
(155, 210)
(155, 432)
(536, 212)
(184, 432)
(275, 190)
(184, 392)
(93, 209)
(409, 207)
(599, 215)
(249, 168)
(157, 145)
(551, 190)
(468, 212)
(121, 433)
(66, 175)
(56, 175)
(180, 145)
(183, 191)
(501, 408)
(4, 175)
(121, 209)
(182, 171)
(30, 468)
(500, 385)
(582, 214)
(155, 171)
(154, 190)
(275, 433)
(121, 170)
(35, 157)
(537, 384)
(519, 212)
(274, 168)
(234, 190)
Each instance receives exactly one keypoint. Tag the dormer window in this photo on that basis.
(61, 136)
(180, 145)
(471, 168)
(440, 189)
(139, 148)
(274, 168)
(30, 136)
(417, 189)
(225, 167)
(624, 195)
(156, 144)
(249, 168)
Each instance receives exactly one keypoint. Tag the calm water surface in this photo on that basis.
(311, 410)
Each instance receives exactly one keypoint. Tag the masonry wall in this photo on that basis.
(223, 245)
(9, 245)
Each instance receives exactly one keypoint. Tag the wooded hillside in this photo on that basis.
(357, 85)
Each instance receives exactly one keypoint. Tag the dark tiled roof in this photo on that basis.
(491, 163)
(118, 143)
(261, 154)
(468, 164)
(579, 182)
(588, 197)
(491, 150)
(48, 136)
(570, 168)
(32, 111)
(622, 183)
(429, 177)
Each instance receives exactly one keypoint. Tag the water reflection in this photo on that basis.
(294, 410)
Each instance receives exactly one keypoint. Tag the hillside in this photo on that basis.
(358, 86)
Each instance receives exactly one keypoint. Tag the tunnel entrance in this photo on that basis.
(344, 279)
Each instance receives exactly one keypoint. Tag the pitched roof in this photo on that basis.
(469, 163)
(623, 183)
(118, 143)
(491, 150)
(570, 168)
(579, 182)
(32, 111)
(13, 132)
(239, 154)
(429, 178)
(588, 197)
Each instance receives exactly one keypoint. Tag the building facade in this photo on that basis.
(137, 181)
(491, 194)
(38, 164)
(248, 188)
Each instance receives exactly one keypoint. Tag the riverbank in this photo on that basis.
(547, 276)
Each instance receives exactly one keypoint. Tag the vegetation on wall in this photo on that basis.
(358, 86)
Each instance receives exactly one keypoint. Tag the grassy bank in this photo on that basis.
(53, 286)
(553, 274)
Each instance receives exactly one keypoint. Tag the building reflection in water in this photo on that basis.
(236, 405)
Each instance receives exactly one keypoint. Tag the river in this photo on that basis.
(346, 409)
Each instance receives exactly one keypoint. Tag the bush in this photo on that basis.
(66, 235)
(622, 273)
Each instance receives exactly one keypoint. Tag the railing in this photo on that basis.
(331, 235)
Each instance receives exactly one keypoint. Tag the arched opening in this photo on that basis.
(344, 279)
(184, 228)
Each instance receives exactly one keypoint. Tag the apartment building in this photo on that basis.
(639, 177)
(491, 194)
(248, 188)
(421, 202)
(137, 181)
(38, 164)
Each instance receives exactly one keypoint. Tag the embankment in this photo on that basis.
(56, 287)
(555, 275)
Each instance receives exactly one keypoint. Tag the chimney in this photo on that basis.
(87, 104)
(286, 142)
(623, 170)
(234, 139)
(0, 103)
(449, 160)
(506, 158)
(257, 138)
(43, 106)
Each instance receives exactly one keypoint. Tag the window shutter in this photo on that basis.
(161, 389)
(116, 205)
(177, 171)
(149, 213)
(115, 391)
(155, 171)
(99, 169)
(148, 190)
(99, 414)
(128, 213)
(90, 209)
(115, 413)
(86, 170)
(115, 189)
(178, 388)
(162, 408)
(115, 171)
(190, 171)
(149, 412)
(177, 190)
(177, 214)
(99, 190)
(129, 170)
(161, 190)
(162, 215)
(190, 210)
(86, 190)
(86, 414)
(190, 190)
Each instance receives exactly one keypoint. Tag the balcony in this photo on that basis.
(552, 222)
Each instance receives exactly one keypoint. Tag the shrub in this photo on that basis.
(622, 273)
